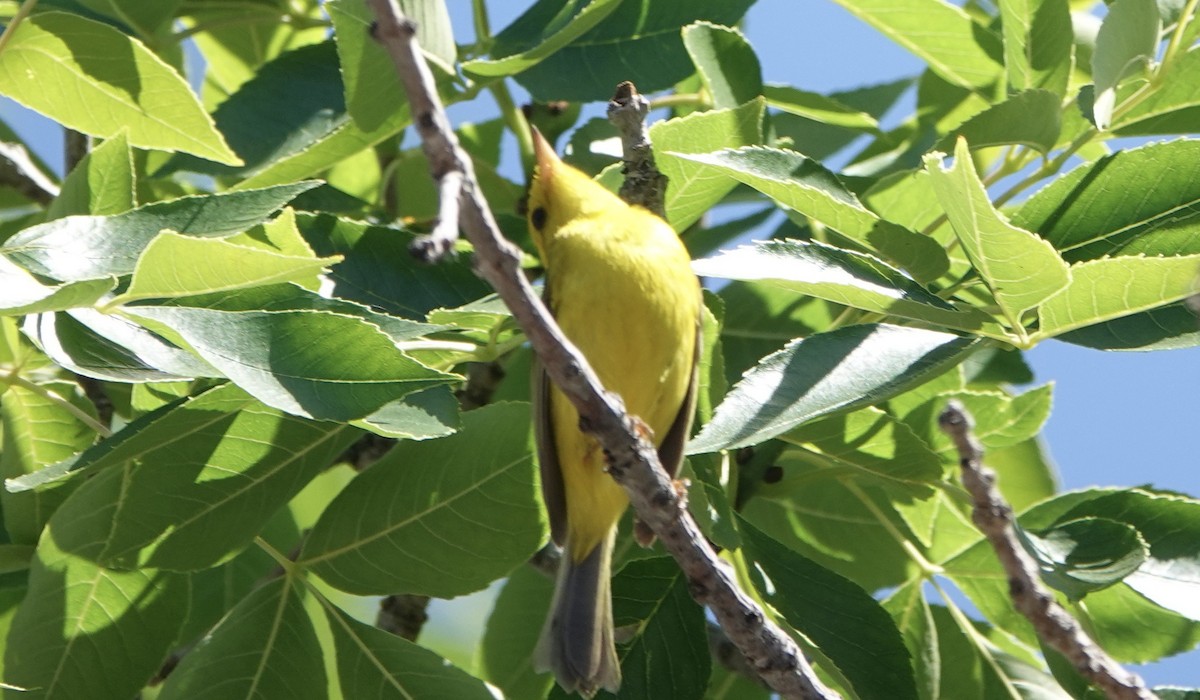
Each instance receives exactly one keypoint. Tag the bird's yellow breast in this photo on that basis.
(622, 290)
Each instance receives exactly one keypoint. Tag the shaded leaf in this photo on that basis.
(726, 62)
(265, 647)
(373, 663)
(1037, 44)
(84, 631)
(461, 512)
(1144, 199)
(1030, 118)
(834, 371)
(638, 41)
(842, 619)
(101, 183)
(189, 489)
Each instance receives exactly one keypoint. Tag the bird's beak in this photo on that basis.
(544, 154)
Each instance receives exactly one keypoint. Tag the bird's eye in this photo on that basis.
(537, 217)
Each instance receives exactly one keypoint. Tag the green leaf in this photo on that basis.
(1021, 269)
(1037, 44)
(939, 33)
(92, 78)
(373, 663)
(871, 443)
(558, 33)
(110, 347)
(292, 102)
(693, 189)
(1031, 118)
(1170, 525)
(311, 363)
(265, 647)
(168, 267)
(1134, 630)
(38, 429)
(378, 271)
(652, 596)
(420, 415)
(726, 62)
(1164, 328)
(815, 135)
(1126, 43)
(1171, 108)
(146, 18)
(841, 276)
(805, 186)
(102, 183)
(818, 107)
(1086, 554)
(460, 513)
(1001, 420)
(195, 486)
(1109, 288)
(511, 634)
(25, 294)
(1141, 200)
(84, 631)
(842, 620)
(87, 247)
(638, 41)
(768, 318)
(835, 371)
(844, 524)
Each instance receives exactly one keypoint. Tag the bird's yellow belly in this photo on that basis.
(641, 346)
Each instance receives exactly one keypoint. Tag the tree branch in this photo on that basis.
(633, 461)
(18, 171)
(1053, 624)
(644, 184)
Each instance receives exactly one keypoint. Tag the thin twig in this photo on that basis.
(18, 171)
(644, 184)
(1053, 624)
(633, 460)
(76, 146)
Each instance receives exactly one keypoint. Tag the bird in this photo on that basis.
(619, 283)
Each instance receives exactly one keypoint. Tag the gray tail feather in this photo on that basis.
(577, 639)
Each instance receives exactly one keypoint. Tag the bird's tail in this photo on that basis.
(577, 639)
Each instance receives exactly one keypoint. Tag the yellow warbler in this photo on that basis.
(619, 282)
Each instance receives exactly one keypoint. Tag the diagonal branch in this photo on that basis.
(633, 461)
(1053, 624)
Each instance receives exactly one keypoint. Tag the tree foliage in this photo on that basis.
(217, 301)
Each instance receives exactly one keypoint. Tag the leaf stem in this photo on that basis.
(1176, 42)
(515, 119)
(82, 416)
(680, 99)
(281, 559)
(22, 13)
(1048, 168)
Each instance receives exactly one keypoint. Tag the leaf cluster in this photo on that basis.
(215, 307)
